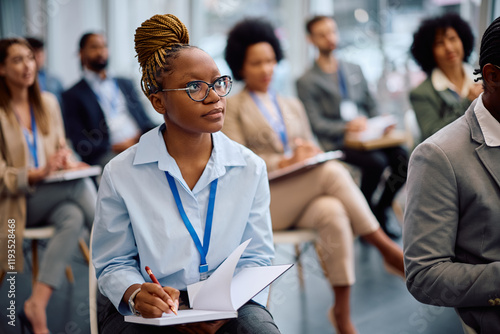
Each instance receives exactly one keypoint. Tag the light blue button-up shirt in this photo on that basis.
(137, 222)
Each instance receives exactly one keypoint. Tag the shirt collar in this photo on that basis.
(226, 153)
(441, 82)
(490, 127)
(93, 78)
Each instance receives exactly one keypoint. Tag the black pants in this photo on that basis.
(372, 164)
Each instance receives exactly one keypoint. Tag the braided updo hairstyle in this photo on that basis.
(157, 41)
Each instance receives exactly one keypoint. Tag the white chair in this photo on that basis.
(46, 232)
(94, 329)
(298, 237)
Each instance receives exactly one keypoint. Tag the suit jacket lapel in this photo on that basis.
(489, 156)
(19, 150)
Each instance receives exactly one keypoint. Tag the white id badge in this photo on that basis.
(348, 110)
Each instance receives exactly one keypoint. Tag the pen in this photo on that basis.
(153, 278)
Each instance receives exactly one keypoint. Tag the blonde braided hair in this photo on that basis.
(156, 40)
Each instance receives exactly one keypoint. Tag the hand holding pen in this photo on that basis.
(174, 305)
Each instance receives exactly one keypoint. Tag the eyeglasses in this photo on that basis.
(198, 90)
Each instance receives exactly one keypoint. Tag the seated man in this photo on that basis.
(102, 114)
(336, 97)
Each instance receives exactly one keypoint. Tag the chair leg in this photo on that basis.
(2, 276)
(398, 211)
(69, 274)
(34, 260)
(85, 250)
(300, 271)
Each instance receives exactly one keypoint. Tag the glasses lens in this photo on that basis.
(197, 89)
(222, 86)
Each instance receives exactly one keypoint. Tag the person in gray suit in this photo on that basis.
(452, 220)
(337, 100)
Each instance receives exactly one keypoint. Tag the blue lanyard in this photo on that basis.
(113, 100)
(202, 249)
(342, 84)
(278, 126)
(32, 145)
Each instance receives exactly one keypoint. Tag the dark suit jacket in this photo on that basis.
(452, 223)
(85, 122)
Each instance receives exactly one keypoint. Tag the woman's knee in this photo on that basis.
(85, 195)
(69, 216)
(252, 319)
(329, 213)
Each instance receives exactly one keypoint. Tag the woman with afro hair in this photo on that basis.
(324, 198)
(442, 46)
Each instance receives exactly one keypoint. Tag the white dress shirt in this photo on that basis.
(441, 82)
(120, 122)
(490, 127)
(137, 222)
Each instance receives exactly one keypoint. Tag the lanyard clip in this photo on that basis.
(203, 272)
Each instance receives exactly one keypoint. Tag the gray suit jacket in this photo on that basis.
(452, 223)
(321, 96)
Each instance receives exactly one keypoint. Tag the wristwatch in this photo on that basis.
(131, 303)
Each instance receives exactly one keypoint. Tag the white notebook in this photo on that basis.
(71, 174)
(304, 165)
(221, 295)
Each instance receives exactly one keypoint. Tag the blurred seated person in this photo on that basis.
(441, 46)
(324, 198)
(46, 80)
(32, 144)
(337, 100)
(103, 114)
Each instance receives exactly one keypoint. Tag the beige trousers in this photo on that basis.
(326, 199)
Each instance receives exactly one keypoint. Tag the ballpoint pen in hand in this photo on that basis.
(153, 278)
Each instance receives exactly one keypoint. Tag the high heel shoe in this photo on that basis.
(25, 323)
(332, 320)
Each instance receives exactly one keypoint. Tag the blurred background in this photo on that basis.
(376, 34)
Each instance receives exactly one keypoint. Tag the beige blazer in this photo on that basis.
(14, 177)
(245, 124)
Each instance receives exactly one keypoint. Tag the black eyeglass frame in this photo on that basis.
(210, 86)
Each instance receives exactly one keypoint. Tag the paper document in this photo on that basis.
(375, 128)
(221, 295)
(71, 174)
(303, 165)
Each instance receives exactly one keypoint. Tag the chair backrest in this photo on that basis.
(94, 329)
